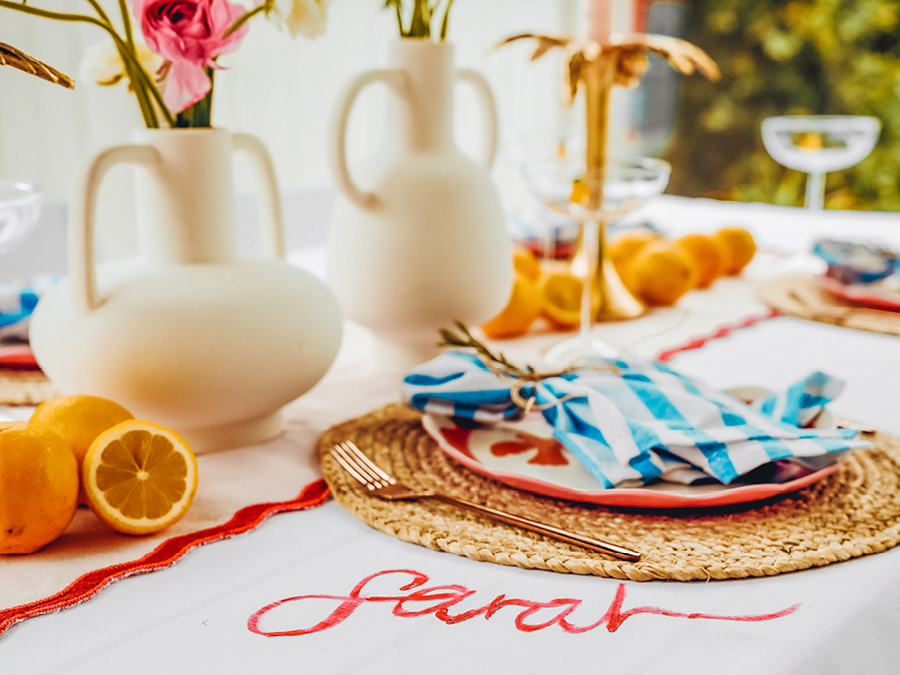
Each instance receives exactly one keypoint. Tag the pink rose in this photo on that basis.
(190, 34)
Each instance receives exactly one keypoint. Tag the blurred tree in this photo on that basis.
(781, 57)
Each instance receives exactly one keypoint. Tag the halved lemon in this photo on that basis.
(561, 294)
(139, 477)
(561, 299)
(523, 308)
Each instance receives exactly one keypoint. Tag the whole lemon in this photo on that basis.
(706, 255)
(78, 420)
(737, 247)
(38, 487)
(661, 274)
(624, 248)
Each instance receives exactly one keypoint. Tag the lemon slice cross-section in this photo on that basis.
(139, 477)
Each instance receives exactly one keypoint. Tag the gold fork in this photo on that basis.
(385, 486)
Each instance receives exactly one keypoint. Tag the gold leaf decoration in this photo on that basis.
(545, 42)
(683, 56)
(629, 54)
(10, 56)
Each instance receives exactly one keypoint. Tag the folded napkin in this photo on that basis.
(639, 420)
(17, 302)
(852, 263)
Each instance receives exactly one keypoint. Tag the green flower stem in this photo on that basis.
(244, 18)
(100, 12)
(126, 23)
(142, 83)
(140, 93)
(199, 114)
(446, 20)
(148, 86)
(419, 24)
(423, 18)
(59, 16)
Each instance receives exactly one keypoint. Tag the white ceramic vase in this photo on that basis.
(187, 334)
(417, 238)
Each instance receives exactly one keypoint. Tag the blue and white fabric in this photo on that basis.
(644, 419)
(17, 302)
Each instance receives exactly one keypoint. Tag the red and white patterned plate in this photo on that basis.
(525, 455)
(877, 295)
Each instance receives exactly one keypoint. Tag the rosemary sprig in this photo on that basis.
(518, 378)
(469, 341)
(499, 364)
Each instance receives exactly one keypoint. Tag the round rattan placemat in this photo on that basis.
(24, 387)
(802, 296)
(853, 512)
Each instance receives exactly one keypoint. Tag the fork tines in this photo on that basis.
(360, 467)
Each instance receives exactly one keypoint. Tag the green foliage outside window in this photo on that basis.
(788, 57)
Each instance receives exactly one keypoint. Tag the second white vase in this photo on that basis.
(418, 238)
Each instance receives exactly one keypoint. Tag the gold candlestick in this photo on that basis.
(600, 67)
(616, 301)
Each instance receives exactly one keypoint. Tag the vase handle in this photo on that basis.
(82, 214)
(273, 233)
(488, 109)
(396, 80)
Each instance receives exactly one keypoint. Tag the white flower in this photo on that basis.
(103, 64)
(301, 17)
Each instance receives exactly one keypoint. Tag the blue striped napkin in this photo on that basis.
(643, 421)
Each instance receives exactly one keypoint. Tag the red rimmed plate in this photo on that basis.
(525, 455)
(875, 295)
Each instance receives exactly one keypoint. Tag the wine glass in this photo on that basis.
(817, 144)
(20, 207)
(561, 185)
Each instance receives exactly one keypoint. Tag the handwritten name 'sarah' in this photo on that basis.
(415, 600)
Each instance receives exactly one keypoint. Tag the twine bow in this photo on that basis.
(509, 373)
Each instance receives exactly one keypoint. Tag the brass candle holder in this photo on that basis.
(598, 68)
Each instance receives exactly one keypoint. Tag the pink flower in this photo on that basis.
(190, 34)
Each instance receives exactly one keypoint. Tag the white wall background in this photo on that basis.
(278, 88)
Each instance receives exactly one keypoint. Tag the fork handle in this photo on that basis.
(541, 528)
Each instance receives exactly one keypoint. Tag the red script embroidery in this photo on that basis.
(438, 600)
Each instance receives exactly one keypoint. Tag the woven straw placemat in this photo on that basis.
(852, 512)
(802, 296)
(24, 387)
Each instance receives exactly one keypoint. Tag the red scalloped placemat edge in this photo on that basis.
(164, 555)
(721, 332)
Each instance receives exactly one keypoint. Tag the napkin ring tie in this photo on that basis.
(531, 378)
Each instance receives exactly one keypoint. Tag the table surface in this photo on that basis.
(207, 612)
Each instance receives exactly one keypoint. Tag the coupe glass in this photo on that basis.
(560, 185)
(817, 144)
(20, 206)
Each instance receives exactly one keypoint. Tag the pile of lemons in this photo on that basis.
(137, 476)
(657, 270)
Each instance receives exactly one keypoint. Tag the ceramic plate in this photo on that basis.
(875, 295)
(525, 455)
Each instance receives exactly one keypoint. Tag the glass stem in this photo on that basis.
(815, 191)
(590, 243)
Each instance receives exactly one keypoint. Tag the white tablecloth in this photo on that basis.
(198, 616)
